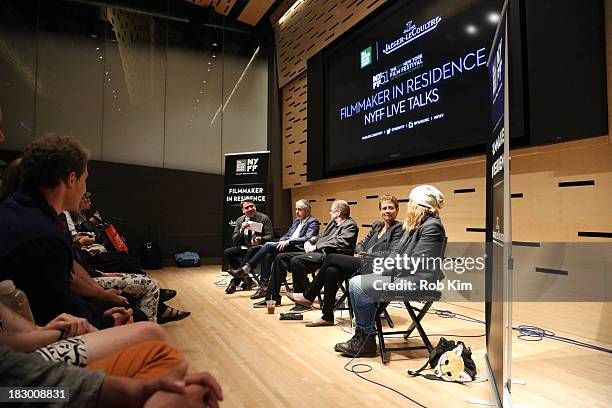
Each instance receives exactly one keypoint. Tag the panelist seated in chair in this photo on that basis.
(422, 239)
(340, 235)
(246, 242)
(379, 242)
(304, 228)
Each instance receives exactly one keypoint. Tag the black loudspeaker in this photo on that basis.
(566, 71)
(150, 252)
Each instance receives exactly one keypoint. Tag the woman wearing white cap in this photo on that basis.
(423, 238)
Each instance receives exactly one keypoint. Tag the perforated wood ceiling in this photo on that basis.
(220, 6)
(307, 26)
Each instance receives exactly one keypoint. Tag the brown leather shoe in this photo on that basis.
(261, 293)
(231, 288)
(238, 273)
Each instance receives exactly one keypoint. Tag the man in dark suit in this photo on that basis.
(247, 242)
(339, 236)
(304, 227)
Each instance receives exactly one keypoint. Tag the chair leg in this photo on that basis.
(388, 319)
(381, 339)
(340, 301)
(422, 312)
(419, 328)
(286, 286)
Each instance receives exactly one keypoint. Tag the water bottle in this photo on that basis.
(15, 300)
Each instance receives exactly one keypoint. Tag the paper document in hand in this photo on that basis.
(255, 226)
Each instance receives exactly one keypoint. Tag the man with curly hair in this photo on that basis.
(35, 250)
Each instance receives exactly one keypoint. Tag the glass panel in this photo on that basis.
(134, 86)
(71, 67)
(18, 71)
(246, 97)
(193, 96)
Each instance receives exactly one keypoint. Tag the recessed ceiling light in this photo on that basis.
(493, 17)
(471, 29)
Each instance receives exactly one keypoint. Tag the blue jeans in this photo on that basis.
(363, 305)
(268, 247)
(367, 291)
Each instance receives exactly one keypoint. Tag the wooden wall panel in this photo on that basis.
(308, 26)
(220, 6)
(294, 133)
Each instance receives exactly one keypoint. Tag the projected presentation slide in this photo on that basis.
(410, 82)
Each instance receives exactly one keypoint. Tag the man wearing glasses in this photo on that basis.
(304, 228)
(340, 236)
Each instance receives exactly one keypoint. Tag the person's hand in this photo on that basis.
(244, 225)
(308, 247)
(358, 256)
(114, 296)
(112, 274)
(71, 325)
(282, 245)
(193, 397)
(121, 315)
(214, 394)
(256, 241)
(86, 240)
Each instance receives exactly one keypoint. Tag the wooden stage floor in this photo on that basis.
(263, 362)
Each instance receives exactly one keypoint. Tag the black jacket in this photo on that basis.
(382, 248)
(266, 234)
(337, 238)
(424, 242)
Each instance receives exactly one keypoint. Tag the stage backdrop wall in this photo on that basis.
(550, 184)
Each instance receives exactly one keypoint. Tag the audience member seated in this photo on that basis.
(89, 221)
(70, 339)
(423, 238)
(339, 236)
(11, 179)
(102, 258)
(304, 227)
(149, 375)
(379, 242)
(246, 242)
(143, 290)
(35, 251)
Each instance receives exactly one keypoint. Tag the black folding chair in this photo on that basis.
(343, 286)
(416, 315)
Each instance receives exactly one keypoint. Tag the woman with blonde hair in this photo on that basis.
(423, 239)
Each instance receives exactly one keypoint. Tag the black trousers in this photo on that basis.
(334, 270)
(115, 262)
(237, 257)
(300, 265)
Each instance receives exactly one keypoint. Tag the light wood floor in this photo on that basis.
(263, 362)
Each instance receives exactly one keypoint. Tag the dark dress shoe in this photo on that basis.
(248, 284)
(260, 293)
(263, 303)
(231, 288)
(300, 308)
(238, 273)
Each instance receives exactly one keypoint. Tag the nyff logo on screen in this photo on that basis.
(247, 166)
(411, 33)
(366, 57)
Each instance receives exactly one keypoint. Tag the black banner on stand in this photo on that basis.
(498, 279)
(246, 176)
